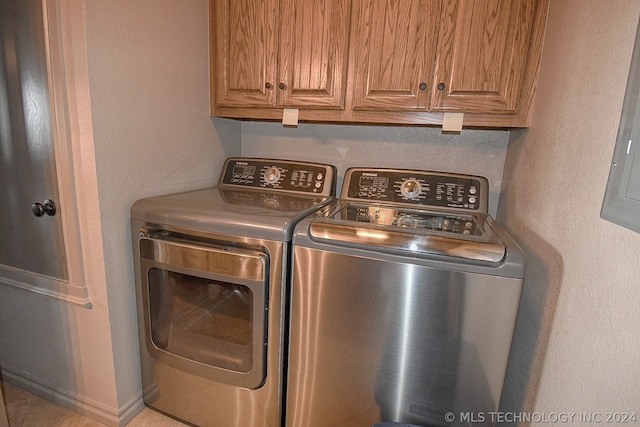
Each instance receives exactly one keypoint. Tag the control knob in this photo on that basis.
(272, 175)
(411, 188)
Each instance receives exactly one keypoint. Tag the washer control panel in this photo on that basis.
(424, 188)
(299, 177)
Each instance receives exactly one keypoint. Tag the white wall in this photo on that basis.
(148, 84)
(577, 342)
(471, 152)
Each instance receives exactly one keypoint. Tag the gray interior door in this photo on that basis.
(27, 168)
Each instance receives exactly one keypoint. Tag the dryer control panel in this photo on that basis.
(423, 188)
(285, 175)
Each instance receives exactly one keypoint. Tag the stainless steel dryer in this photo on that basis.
(211, 274)
(404, 300)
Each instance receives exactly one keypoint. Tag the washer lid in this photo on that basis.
(406, 229)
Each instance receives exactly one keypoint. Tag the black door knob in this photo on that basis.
(37, 209)
(441, 86)
(48, 207)
(267, 85)
(423, 86)
(282, 86)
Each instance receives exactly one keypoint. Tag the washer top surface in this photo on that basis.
(258, 198)
(417, 213)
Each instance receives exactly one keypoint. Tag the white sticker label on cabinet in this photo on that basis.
(452, 122)
(290, 117)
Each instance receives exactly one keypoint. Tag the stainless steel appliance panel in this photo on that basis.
(185, 385)
(231, 210)
(205, 307)
(383, 337)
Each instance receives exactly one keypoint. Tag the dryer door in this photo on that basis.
(204, 308)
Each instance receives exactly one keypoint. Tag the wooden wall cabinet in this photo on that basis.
(279, 54)
(393, 48)
(483, 54)
(244, 50)
(377, 61)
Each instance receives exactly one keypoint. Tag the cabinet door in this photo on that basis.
(314, 44)
(244, 53)
(393, 51)
(483, 54)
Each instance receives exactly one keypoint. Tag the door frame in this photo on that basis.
(73, 148)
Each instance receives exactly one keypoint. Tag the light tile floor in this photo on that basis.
(27, 410)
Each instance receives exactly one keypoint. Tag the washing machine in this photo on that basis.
(404, 298)
(211, 273)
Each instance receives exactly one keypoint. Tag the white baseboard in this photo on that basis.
(114, 417)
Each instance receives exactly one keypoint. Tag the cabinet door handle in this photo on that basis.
(423, 86)
(282, 86)
(441, 86)
(268, 85)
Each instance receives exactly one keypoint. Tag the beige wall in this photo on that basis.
(148, 67)
(149, 74)
(577, 342)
